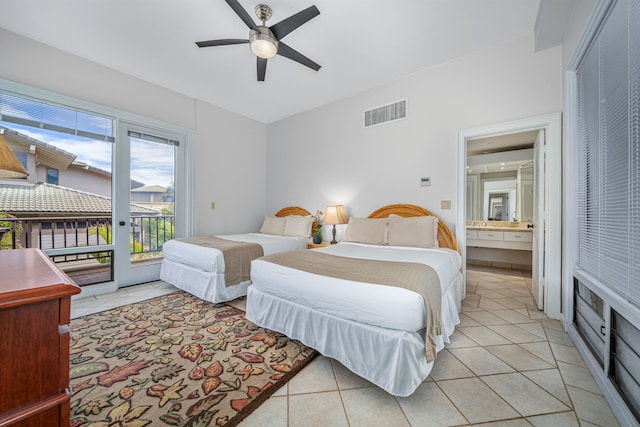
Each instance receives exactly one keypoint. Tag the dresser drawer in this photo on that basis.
(518, 236)
(472, 234)
(490, 235)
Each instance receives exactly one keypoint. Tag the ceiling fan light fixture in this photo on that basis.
(262, 43)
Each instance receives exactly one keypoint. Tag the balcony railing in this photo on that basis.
(58, 236)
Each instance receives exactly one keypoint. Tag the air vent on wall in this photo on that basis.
(386, 113)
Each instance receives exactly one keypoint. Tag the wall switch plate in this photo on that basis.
(445, 204)
(213, 205)
(425, 181)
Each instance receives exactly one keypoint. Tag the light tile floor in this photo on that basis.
(507, 365)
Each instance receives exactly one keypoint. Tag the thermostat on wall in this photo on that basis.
(425, 181)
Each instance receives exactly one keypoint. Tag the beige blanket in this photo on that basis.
(415, 277)
(237, 256)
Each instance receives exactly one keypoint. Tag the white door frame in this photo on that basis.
(124, 273)
(552, 125)
(537, 269)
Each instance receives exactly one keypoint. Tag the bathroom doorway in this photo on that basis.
(523, 149)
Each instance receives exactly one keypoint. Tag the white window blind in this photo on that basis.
(153, 138)
(58, 118)
(609, 170)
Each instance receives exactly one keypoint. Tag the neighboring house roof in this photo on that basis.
(150, 189)
(85, 166)
(43, 198)
(55, 157)
(47, 153)
(81, 165)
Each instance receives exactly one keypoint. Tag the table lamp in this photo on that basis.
(335, 214)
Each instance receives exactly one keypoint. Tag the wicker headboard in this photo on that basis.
(296, 210)
(446, 239)
(293, 210)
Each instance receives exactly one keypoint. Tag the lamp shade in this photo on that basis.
(335, 214)
(10, 166)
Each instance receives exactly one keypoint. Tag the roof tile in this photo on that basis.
(49, 198)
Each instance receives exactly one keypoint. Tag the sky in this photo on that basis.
(152, 163)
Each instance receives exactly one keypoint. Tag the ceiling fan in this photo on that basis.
(265, 42)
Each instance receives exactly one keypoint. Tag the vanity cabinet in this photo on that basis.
(502, 239)
(35, 306)
(518, 236)
(490, 235)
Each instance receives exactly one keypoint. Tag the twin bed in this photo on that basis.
(201, 270)
(340, 300)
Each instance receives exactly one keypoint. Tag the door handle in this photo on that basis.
(121, 223)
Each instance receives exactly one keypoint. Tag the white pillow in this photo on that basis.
(366, 230)
(418, 231)
(298, 226)
(273, 225)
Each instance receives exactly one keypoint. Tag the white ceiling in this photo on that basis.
(360, 44)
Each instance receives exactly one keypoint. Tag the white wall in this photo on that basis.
(79, 179)
(44, 67)
(325, 156)
(230, 168)
(230, 149)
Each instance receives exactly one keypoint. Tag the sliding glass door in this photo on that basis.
(144, 205)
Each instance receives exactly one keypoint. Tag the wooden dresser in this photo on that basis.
(35, 305)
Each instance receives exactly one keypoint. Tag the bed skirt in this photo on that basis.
(394, 360)
(203, 284)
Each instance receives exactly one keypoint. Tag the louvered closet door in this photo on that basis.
(608, 199)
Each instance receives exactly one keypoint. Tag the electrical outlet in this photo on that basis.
(445, 204)
(213, 205)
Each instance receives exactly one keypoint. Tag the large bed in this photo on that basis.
(197, 265)
(379, 332)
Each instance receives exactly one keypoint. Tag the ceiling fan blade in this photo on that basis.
(262, 68)
(294, 55)
(221, 42)
(239, 10)
(289, 24)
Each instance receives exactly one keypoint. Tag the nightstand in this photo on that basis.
(311, 245)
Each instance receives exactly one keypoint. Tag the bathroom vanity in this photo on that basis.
(500, 237)
(500, 244)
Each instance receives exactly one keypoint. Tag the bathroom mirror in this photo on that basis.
(498, 207)
(501, 195)
(525, 190)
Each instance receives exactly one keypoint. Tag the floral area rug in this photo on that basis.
(175, 360)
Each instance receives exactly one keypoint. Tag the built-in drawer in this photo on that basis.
(490, 235)
(472, 234)
(518, 236)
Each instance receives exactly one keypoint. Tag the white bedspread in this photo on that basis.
(200, 270)
(373, 330)
(378, 305)
(211, 259)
